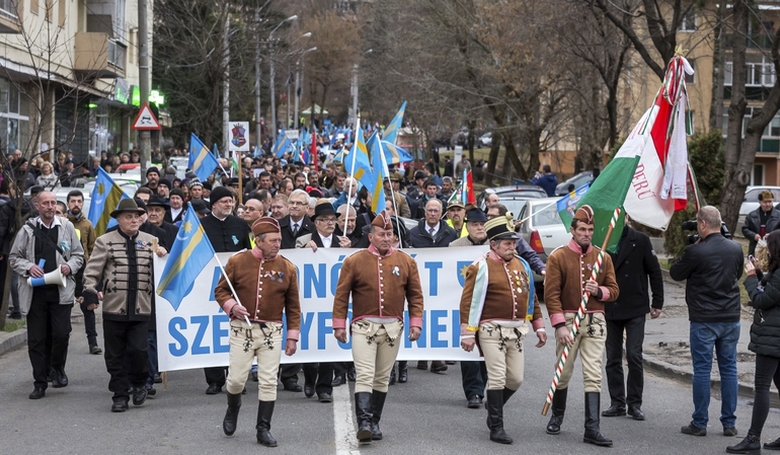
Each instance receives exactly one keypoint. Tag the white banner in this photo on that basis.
(194, 333)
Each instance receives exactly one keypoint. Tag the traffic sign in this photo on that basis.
(145, 120)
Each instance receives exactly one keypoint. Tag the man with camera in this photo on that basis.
(712, 267)
(761, 221)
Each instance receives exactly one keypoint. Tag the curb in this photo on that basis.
(668, 370)
(17, 338)
(13, 341)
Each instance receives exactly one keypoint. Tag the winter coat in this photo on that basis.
(765, 331)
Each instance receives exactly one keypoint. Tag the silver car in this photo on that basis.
(542, 227)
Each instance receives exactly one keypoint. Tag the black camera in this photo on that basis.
(690, 225)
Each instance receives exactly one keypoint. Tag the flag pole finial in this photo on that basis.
(679, 51)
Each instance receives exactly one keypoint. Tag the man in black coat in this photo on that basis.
(226, 233)
(761, 221)
(635, 262)
(319, 376)
(296, 223)
(156, 209)
(432, 232)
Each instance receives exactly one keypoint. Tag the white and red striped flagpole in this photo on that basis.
(575, 327)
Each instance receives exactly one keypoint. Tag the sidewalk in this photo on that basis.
(16, 339)
(666, 347)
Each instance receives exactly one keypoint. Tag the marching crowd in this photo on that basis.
(277, 206)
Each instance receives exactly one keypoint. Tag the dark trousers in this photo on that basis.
(767, 370)
(474, 375)
(48, 335)
(125, 345)
(288, 374)
(151, 338)
(15, 293)
(319, 374)
(635, 334)
(89, 315)
(215, 375)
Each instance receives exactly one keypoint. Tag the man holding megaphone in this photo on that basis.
(45, 253)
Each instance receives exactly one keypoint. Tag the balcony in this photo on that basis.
(99, 56)
(9, 20)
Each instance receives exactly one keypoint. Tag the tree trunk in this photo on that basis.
(718, 67)
(471, 125)
(495, 145)
(736, 177)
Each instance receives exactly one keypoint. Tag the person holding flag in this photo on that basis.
(567, 279)
(266, 286)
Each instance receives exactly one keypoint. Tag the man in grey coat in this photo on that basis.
(47, 248)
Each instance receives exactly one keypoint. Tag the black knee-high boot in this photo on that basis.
(231, 416)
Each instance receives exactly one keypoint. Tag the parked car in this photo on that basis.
(180, 163)
(543, 228)
(513, 197)
(578, 180)
(486, 140)
(750, 202)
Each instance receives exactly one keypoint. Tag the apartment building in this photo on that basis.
(68, 75)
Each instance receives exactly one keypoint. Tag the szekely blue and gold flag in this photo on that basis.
(202, 161)
(104, 199)
(190, 253)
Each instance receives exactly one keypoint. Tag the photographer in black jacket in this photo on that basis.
(712, 267)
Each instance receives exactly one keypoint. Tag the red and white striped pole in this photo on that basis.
(575, 327)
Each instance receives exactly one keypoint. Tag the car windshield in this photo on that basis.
(545, 215)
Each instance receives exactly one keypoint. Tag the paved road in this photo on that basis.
(426, 415)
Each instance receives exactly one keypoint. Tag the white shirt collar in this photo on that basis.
(327, 241)
(55, 223)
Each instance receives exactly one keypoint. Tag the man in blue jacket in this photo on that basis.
(547, 180)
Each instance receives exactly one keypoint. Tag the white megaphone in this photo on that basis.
(53, 277)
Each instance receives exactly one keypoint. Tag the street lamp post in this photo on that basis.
(299, 80)
(273, 76)
(354, 90)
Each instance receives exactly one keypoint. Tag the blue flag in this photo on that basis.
(358, 162)
(202, 161)
(191, 252)
(282, 146)
(391, 132)
(105, 198)
(395, 154)
(567, 205)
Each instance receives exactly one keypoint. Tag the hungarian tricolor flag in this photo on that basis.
(467, 189)
(649, 174)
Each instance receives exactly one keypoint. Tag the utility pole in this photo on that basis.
(143, 83)
(258, 111)
(226, 89)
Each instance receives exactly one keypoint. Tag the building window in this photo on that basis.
(688, 23)
(14, 122)
(757, 178)
(758, 74)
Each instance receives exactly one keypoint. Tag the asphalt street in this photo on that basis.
(426, 415)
